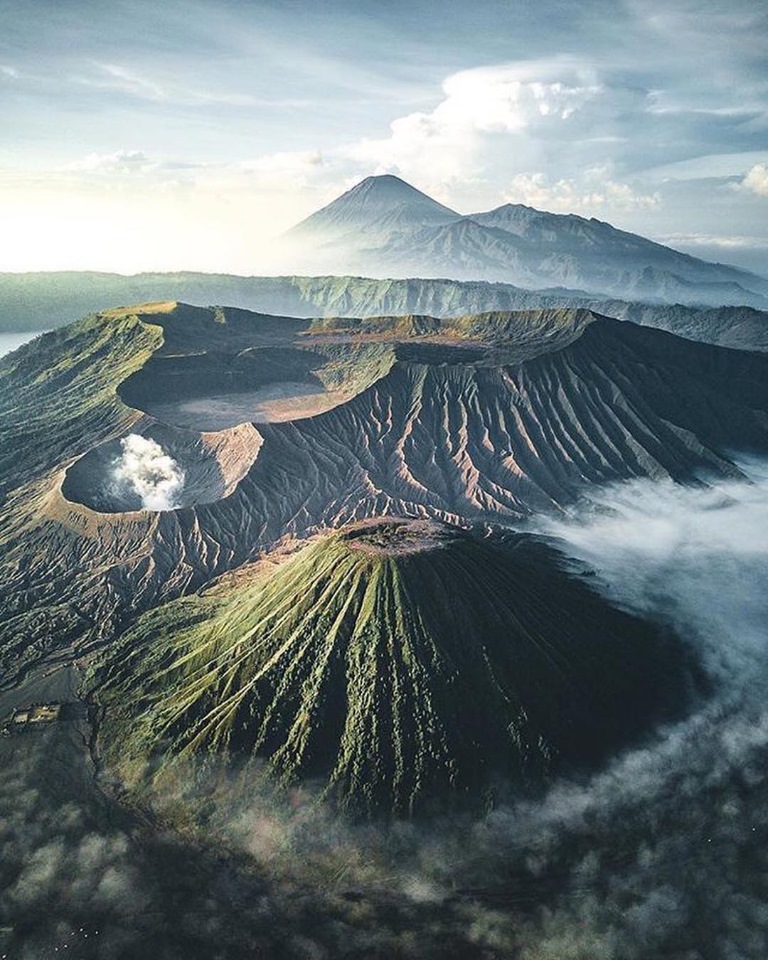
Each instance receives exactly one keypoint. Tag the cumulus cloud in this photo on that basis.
(148, 472)
(507, 98)
(756, 180)
(594, 190)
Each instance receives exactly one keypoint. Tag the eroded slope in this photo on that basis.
(485, 419)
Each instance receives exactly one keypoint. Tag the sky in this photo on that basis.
(188, 134)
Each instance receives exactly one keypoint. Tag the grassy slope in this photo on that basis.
(57, 400)
(59, 397)
(394, 680)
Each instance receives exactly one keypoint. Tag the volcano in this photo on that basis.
(399, 664)
(282, 428)
(383, 204)
(383, 227)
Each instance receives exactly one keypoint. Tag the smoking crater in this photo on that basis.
(145, 470)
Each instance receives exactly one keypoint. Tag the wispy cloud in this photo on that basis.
(713, 240)
(123, 161)
(143, 86)
(289, 170)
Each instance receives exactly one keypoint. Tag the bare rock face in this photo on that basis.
(400, 665)
(482, 418)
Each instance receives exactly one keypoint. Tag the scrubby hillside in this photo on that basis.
(45, 300)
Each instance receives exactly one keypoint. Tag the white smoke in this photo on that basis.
(144, 469)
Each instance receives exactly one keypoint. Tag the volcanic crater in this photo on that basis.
(214, 391)
(392, 537)
(216, 373)
(198, 467)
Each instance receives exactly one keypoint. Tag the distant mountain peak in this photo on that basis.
(379, 200)
(522, 211)
(386, 182)
(514, 207)
(387, 188)
(384, 227)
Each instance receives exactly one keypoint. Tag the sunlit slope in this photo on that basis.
(395, 664)
(60, 393)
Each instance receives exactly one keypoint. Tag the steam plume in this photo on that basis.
(147, 471)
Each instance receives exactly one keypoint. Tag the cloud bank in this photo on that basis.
(594, 191)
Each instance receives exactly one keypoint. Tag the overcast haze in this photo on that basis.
(185, 135)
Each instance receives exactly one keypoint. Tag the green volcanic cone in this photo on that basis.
(401, 664)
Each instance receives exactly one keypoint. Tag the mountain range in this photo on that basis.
(384, 227)
(41, 301)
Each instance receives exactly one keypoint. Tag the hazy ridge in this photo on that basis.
(45, 300)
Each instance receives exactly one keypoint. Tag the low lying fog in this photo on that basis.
(697, 557)
(662, 854)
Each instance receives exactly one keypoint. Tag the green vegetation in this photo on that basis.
(59, 397)
(396, 664)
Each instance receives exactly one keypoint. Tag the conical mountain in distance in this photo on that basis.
(404, 665)
(382, 202)
(384, 227)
